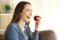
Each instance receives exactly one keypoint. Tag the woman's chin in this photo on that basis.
(27, 20)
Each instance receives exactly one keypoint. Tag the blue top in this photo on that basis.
(14, 32)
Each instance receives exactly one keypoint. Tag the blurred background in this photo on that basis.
(49, 10)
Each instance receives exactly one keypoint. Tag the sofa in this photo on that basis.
(47, 35)
(43, 35)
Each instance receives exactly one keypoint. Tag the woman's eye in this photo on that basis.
(27, 10)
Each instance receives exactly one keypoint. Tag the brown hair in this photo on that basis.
(18, 10)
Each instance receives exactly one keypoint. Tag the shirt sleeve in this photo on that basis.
(33, 36)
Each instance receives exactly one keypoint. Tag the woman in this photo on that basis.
(19, 29)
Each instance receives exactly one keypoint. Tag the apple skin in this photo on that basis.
(37, 17)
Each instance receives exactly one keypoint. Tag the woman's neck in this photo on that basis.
(21, 24)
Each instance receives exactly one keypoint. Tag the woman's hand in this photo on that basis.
(37, 20)
(37, 23)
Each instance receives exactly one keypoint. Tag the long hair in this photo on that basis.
(19, 8)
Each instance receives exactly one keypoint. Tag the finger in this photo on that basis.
(38, 21)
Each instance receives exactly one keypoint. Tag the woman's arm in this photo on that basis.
(36, 35)
(12, 33)
(33, 36)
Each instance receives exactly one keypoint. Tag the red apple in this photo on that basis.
(37, 17)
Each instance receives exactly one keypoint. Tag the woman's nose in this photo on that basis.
(30, 13)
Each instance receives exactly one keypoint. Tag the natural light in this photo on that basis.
(49, 10)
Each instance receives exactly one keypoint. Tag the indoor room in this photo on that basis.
(48, 10)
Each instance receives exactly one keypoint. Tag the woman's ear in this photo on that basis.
(20, 13)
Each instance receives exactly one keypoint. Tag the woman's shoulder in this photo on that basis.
(13, 26)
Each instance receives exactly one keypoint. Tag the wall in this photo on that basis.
(2, 5)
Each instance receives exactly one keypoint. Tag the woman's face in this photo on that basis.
(26, 13)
